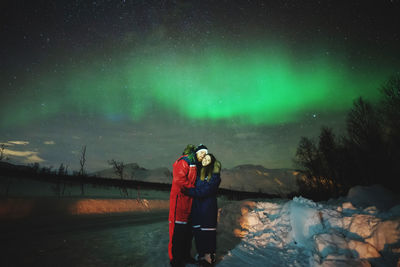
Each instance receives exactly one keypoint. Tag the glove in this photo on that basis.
(185, 190)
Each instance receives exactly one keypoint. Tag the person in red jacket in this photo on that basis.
(180, 233)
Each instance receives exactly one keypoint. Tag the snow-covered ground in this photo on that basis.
(360, 230)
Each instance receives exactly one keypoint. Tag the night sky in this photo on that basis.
(136, 81)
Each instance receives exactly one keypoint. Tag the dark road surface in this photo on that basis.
(136, 239)
(49, 226)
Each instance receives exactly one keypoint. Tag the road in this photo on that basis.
(136, 239)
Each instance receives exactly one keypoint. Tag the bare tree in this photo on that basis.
(46, 170)
(367, 154)
(137, 188)
(62, 172)
(35, 167)
(390, 108)
(64, 184)
(2, 148)
(309, 162)
(119, 167)
(57, 187)
(1, 152)
(8, 180)
(82, 162)
(365, 137)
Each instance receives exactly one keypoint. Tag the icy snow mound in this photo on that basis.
(301, 232)
(344, 236)
(267, 239)
(305, 219)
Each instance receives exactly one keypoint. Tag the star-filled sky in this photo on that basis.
(136, 81)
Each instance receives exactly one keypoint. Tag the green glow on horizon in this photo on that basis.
(258, 86)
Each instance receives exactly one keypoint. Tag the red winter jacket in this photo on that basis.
(184, 175)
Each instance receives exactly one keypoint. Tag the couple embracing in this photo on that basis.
(193, 207)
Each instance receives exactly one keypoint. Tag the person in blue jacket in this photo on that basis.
(205, 210)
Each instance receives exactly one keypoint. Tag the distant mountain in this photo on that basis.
(249, 178)
(133, 171)
(252, 178)
(256, 178)
(9, 166)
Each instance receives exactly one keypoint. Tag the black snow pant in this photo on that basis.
(181, 244)
(206, 240)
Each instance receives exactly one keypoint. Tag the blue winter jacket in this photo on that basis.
(204, 208)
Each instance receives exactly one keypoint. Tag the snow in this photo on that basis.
(362, 229)
(372, 196)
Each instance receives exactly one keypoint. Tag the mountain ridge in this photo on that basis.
(246, 177)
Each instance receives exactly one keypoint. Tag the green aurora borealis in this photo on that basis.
(259, 86)
(137, 81)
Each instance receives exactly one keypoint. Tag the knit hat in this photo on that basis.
(201, 147)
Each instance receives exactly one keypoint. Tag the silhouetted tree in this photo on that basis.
(369, 152)
(119, 167)
(327, 148)
(391, 106)
(2, 148)
(82, 162)
(363, 126)
(35, 167)
(307, 156)
(46, 170)
(137, 187)
(2, 153)
(312, 183)
(6, 180)
(62, 172)
(390, 109)
(365, 142)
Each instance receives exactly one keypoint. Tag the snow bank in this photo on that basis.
(14, 208)
(305, 220)
(369, 196)
(230, 221)
(301, 232)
